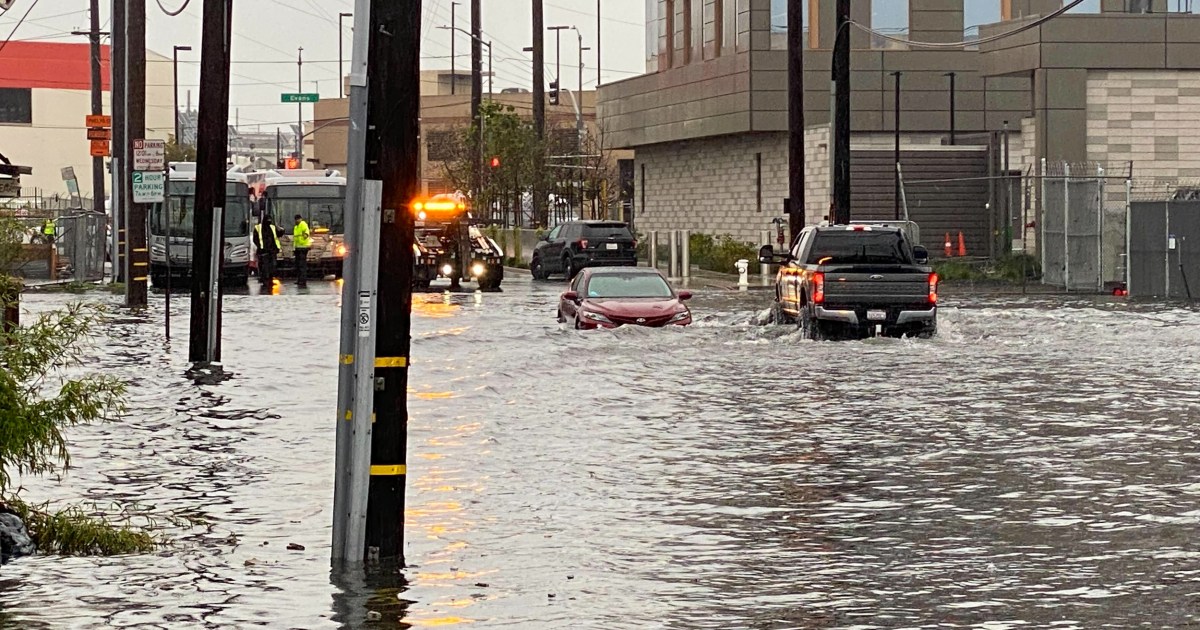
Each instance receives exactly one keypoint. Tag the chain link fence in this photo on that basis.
(1164, 238)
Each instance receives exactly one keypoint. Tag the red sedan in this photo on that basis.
(607, 297)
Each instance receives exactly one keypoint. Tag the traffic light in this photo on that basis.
(554, 92)
(495, 161)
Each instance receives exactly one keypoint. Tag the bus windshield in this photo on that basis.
(321, 205)
(181, 211)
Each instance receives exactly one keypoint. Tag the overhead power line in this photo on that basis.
(18, 25)
(173, 13)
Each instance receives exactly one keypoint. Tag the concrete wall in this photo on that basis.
(711, 185)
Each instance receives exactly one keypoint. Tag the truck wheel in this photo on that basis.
(780, 316)
(810, 326)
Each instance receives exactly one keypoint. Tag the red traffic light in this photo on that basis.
(495, 161)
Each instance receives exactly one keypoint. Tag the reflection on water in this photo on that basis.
(1033, 466)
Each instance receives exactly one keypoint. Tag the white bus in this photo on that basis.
(177, 217)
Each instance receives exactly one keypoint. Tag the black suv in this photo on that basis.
(578, 244)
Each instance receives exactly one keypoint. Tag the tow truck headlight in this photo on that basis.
(340, 250)
(421, 216)
(447, 270)
(478, 270)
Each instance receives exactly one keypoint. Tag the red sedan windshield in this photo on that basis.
(641, 285)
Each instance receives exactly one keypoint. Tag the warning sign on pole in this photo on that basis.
(149, 155)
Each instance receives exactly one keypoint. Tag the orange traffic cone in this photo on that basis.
(949, 248)
(962, 245)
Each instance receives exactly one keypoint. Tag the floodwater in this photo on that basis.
(1033, 466)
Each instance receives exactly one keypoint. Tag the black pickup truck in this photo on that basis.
(855, 281)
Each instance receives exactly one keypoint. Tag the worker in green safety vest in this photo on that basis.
(301, 243)
(49, 229)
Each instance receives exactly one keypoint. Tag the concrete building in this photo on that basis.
(45, 93)
(1112, 81)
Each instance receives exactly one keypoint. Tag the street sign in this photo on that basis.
(68, 173)
(100, 148)
(98, 121)
(99, 134)
(305, 97)
(149, 155)
(149, 187)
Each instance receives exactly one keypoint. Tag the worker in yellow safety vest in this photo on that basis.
(49, 230)
(301, 243)
(266, 241)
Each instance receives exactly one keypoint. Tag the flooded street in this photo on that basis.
(1033, 466)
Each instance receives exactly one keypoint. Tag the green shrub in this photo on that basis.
(719, 253)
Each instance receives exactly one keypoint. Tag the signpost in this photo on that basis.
(99, 131)
(149, 155)
(149, 186)
(68, 176)
(303, 97)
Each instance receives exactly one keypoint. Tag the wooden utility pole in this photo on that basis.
(212, 133)
(539, 110)
(796, 160)
(394, 68)
(841, 118)
(477, 94)
(120, 143)
(97, 105)
(137, 258)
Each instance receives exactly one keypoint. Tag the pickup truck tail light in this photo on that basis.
(818, 283)
(933, 288)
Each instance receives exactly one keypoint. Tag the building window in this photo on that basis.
(779, 23)
(654, 27)
(714, 13)
(687, 24)
(889, 18)
(16, 106)
(728, 24)
(439, 145)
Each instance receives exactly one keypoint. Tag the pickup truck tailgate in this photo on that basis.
(895, 287)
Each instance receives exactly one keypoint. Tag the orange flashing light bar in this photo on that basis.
(438, 206)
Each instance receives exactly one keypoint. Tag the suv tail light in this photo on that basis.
(818, 287)
(582, 244)
(933, 288)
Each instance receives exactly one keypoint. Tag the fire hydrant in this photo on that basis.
(743, 268)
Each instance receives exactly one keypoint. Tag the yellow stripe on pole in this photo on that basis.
(391, 362)
(141, 264)
(140, 249)
(141, 279)
(349, 415)
(346, 359)
(389, 471)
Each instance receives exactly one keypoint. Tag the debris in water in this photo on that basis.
(295, 547)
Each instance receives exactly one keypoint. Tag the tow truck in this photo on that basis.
(855, 281)
(450, 244)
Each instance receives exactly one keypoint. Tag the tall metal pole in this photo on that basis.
(357, 364)
(300, 107)
(599, 61)
(841, 122)
(896, 130)
(453, 58)
(341, 64)
(539, 110)
(952, 112)
(491, 73)
(211, 138)
(120, 144)
(137, 258)
(796, 158)
(97, 107)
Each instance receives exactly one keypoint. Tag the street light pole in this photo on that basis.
(300, 107)
(175, 92)
(341, 71)
(453, 69)
(598, 38)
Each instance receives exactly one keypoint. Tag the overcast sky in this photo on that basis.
(268, 32)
